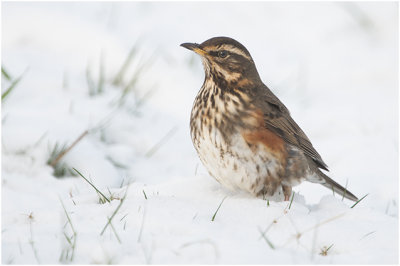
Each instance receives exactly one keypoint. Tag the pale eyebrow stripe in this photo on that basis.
(235, 50)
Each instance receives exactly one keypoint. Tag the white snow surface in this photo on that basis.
(333, 64)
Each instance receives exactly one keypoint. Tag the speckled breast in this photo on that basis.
(218, 124)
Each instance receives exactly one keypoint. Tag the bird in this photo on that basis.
(243, 134)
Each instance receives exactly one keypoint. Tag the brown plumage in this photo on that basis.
(243, 133)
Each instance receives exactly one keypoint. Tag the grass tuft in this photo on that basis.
(65, 254)
(96, 88)
(61, 169)
(58, 152)
(118, 80)
(131, 86)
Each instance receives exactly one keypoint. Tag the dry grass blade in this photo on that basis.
(364, 236)
(141, 226)
(324, 222)
(161, 142)
(32, 243)
(60, 168)
(324, 250)
(66, 150)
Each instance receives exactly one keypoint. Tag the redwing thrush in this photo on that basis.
(243, 134)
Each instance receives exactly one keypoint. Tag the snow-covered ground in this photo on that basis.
(334, 65)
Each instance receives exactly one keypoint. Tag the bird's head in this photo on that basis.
(225, 60)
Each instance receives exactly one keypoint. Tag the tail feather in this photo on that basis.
(331, 184)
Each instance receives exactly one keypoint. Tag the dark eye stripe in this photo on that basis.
(213, 53)
(218, 53)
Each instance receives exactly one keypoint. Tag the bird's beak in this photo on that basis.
(194, 47)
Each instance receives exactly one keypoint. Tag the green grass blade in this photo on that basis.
(90, 82)
(5, 74)
(11, 88)
(69, 219)
(98, 191)
(100, 83)
(144, 193)
(358, 201)
(290, 205)
(118, 79)
(115, 232)
(266, 239)
(215, 214)
(115, 212)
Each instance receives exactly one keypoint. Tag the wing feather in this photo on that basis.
(277, 119)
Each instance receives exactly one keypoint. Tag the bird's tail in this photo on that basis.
(331, 184)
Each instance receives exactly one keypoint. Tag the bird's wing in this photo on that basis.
(277, 119)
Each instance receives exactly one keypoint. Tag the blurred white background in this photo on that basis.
(333, 64)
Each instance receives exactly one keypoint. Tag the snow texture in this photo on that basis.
(333, 64)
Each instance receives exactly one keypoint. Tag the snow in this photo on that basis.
(334, 65)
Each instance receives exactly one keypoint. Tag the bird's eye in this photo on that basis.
(222, 54)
